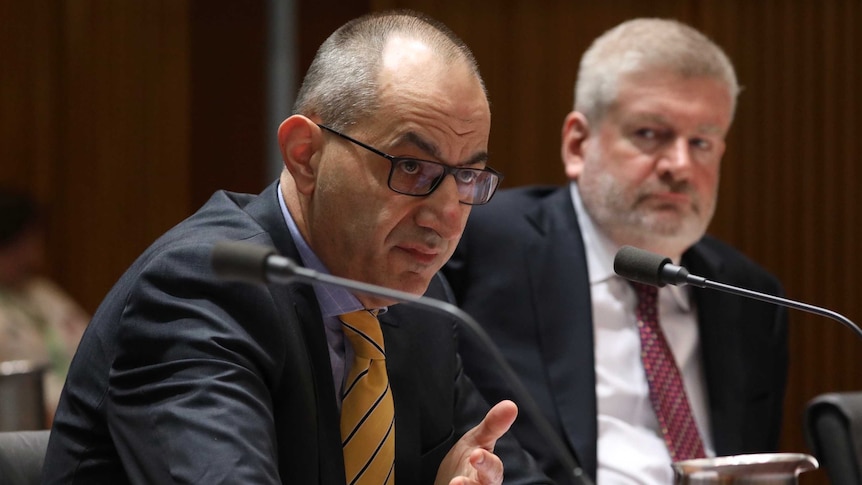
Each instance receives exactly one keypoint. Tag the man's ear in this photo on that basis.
(300, 140)
(576, 130)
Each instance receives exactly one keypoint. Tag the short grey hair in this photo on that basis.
(643, 45)
(341, 88)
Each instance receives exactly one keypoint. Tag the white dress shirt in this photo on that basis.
(631, 449)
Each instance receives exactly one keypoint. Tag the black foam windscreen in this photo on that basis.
(638, 265)
(241, 261)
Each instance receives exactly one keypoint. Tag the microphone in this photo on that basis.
(252, 263)
(652, 269)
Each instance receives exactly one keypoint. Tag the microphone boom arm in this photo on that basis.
(652, 269)
(283, 270)
(705, 283)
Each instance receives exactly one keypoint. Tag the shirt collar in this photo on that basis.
(601, 251)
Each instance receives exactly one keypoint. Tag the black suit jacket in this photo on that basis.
(183, 378)
(521, 271)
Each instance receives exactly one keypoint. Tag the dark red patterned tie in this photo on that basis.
(666, 389)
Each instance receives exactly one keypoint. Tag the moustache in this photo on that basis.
(673, 187)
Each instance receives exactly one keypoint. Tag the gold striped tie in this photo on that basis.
(367, 411)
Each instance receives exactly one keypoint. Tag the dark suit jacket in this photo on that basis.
(521, 271)
(183, 378)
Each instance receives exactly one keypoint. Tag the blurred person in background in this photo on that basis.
(632, 377)
(39, 322)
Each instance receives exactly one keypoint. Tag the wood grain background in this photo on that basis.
(123, 117)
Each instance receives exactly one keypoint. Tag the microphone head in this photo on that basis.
(235, 260)
(641, 266)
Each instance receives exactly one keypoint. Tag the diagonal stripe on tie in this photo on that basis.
(373, 466)
(368, 340)
(357, 421)
(350, 385)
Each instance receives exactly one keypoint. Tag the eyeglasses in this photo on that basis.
(411, 176)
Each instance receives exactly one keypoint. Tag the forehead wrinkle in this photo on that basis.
(426, 146)
(649, 118)
(430, 148)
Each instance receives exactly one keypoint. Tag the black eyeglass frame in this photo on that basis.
(447, 170)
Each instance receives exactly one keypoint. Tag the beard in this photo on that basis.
(630, 217)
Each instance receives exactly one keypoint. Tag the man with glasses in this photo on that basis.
(182, 378)
(642, 148)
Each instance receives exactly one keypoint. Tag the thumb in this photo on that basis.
(498, 420)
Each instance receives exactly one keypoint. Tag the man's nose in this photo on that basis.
(676, 159)
(444, 210)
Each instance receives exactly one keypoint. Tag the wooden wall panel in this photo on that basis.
(124, 117)
(117, 116)
(95, 125)
(227, 65)
(122, 173)
(28, 91)
(316, 20)
(790, 183)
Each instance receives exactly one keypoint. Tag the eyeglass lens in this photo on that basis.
(421, 177)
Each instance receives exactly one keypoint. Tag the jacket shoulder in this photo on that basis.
(518, 198)
(712, 257)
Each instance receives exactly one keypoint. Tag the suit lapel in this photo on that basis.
(328, 418)
(564, 318)
(299, 301)
(266, 210)
(719, 316)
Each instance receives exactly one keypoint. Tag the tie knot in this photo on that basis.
(646, 309)
(647, 294)
(363, 331)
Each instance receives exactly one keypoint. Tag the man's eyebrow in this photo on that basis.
(704, 128)
(431, 149)
(710, 129)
